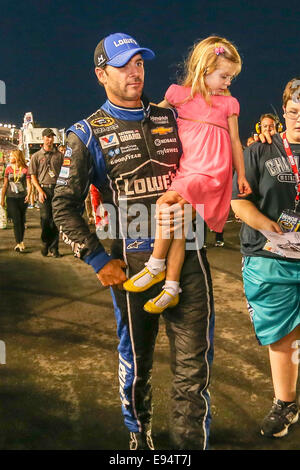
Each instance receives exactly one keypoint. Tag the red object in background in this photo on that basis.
(100, 215)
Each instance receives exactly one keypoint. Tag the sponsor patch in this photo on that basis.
(129, 148)
(161, 130)
(61, 182)
(130, 135)
(114, 152)
(159, 142)
(68, 152)
(64, 172)
(102, 122)
(160, 119)
(80, 127)
(67, 162)
(103, 129)
(109, 140)
(125, 158)
(167, 150)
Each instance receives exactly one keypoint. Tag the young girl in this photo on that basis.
(208, 130)
(17, 189)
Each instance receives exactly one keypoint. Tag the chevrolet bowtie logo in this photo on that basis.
(162, 130)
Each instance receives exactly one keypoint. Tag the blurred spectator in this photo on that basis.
(267, 126)
(61, 148)
(16, 189)
(44, 169)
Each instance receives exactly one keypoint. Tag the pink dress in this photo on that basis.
(204, 175)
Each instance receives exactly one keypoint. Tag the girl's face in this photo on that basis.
(219, 80)
(12, 159)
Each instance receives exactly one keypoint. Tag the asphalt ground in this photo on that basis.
(59, 382)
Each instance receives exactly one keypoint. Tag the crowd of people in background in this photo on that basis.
(94, 209)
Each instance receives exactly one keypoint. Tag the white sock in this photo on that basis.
(172, 287)
(156, 265)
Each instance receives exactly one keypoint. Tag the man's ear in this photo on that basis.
(101, 75)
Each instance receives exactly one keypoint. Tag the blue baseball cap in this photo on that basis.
(117, 49)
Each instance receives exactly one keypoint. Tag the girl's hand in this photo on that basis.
(244, 187)
(3, 204)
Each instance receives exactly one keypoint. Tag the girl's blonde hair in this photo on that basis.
(20, 158)
(203, 59)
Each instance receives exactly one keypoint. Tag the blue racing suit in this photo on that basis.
(131, 156)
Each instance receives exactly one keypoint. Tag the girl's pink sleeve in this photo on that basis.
(172, 94)
(233, 107)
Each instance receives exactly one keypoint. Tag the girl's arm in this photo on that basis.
(237, 155)
(4, 189)
(164, 104)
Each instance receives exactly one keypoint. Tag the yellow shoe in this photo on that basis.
(151, 306)
(155, 278)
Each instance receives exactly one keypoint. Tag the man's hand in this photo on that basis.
(170, 213)
(170, 198)
(42, 196)
(112, 273)
(271, 226)
(263, 137)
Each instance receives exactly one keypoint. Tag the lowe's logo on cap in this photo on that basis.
(125, 41)
(117, 49)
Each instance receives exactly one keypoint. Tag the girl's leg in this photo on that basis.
(23, 208)
(169, 296)
(284, 361)
(175, 259)
(154, 271)
(13, 206)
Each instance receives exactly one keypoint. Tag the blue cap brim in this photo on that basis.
(122, 59)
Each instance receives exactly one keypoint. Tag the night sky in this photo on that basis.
(47, 47)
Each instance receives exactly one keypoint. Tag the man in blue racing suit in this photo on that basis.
(130, 151)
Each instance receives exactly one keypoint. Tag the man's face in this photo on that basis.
(292, 121)
(268, 125)
(124, 85)
(48, 141)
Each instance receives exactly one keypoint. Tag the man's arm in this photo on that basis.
(41, 193)
(33, 171)
(68, 203)
(248, 213)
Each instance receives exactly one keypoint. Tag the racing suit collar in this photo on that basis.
(128, 114)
